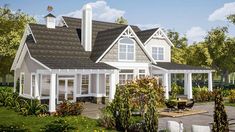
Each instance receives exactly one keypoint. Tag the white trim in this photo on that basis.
(97, 83)
(159, 30)
(62, 18)
(31, 84)
(22, 92)
(126, 44)
(141, 73)
(129, 29)
(89, 84)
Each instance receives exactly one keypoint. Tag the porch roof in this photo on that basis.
(175, 66)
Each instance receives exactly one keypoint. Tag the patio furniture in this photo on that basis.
(198, 128)
(170, 106)
(190, 105)
(181, 105)
(173, 126)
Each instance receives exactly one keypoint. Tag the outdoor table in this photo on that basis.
(180, 103)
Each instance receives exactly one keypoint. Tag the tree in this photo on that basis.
(220, 117)
(121, 20)
(179, 51)
(221, 49)
(12, 27)
(231, 18)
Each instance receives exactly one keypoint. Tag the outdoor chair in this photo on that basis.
(181, 105)
(170, 106)
(197, 128)
(173, 126)
(190, 105)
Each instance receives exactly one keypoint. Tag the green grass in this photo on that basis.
(33, 123)
(229, 104)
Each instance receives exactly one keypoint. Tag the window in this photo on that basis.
(158, 53)
(125, 76)
(33, 79)
(141, 73)
(22, 83)
(85, 84)
(45, 85)
(126, 49)
(107, 84)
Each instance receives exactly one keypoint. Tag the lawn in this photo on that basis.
(33, 123)
(229, 104)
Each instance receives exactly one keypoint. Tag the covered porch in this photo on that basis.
(73, 85)
(164, 70)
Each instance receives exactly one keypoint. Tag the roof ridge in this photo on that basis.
(149, 29)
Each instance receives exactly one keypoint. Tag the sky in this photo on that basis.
(192, 18)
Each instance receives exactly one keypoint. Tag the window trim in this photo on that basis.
(40, 92)
(163, 52)
(133, 73)
(106, 84)
(22, 91)
(89, 85)
(119, 44)
(31, 84)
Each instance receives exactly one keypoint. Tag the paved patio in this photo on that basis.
(93, 111)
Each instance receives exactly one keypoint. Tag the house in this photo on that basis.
(85, 59)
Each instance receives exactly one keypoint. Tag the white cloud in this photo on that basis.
(223, 12)
(148, 26)
(195, 34)
(100, 11)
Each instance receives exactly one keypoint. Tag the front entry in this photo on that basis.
(65, 90)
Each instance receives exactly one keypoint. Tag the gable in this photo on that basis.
(112, 54)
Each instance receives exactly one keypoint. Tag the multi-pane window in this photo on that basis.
(126, 49)
(158, 53)
(45, 85)
(85, 84)
(125, 76)
(141, 73)
(22, 83)
(107, 84)
(33, 79)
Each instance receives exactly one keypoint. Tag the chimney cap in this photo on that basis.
(49, 15)
(87, 6)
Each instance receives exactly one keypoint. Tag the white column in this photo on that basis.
(185, 84)
(112, 87)
(233, 77)
(52, 103)
(210, 81)
(36, 91)
(97, 84)
(15, 80)
(229, 79)
(190, 91)
(169, 82)
(165, 85)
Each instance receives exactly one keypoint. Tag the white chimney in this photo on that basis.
(50, 20)
(87, 27)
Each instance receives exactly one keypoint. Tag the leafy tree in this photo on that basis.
(121, 20)
(221, 50)
(12, 25)
(179, 51)
(231, 18)
(220, 117)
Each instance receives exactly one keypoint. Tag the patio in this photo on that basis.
(93, 111)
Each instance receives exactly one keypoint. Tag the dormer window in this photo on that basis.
(126, 49)
(158, 53)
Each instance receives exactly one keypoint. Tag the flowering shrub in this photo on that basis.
(68, 108)
(202, 94)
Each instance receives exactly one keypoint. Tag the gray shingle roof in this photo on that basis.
(175, 66)
(146, 34)
(60, 48)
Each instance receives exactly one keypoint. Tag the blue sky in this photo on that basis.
(192, 18)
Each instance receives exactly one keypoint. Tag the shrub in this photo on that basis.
(13, 128)
(175, 90)
(67, 108)
(33, 107)
(220, 117)
(107, 119)
(231, 96)
(59, 125)
(201, 94)
(143, 95)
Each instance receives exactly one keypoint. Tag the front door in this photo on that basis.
(65, 90)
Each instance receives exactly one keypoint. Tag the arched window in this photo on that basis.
(126, 49)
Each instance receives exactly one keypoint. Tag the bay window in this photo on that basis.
(141, 73)
(33, 79)
(85, 84)
(22, 83)
(126, 49)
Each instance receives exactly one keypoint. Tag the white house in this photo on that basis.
(85, 59)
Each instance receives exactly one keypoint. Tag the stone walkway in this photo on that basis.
(93, 111)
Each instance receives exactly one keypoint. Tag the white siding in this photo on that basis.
(159, 43)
